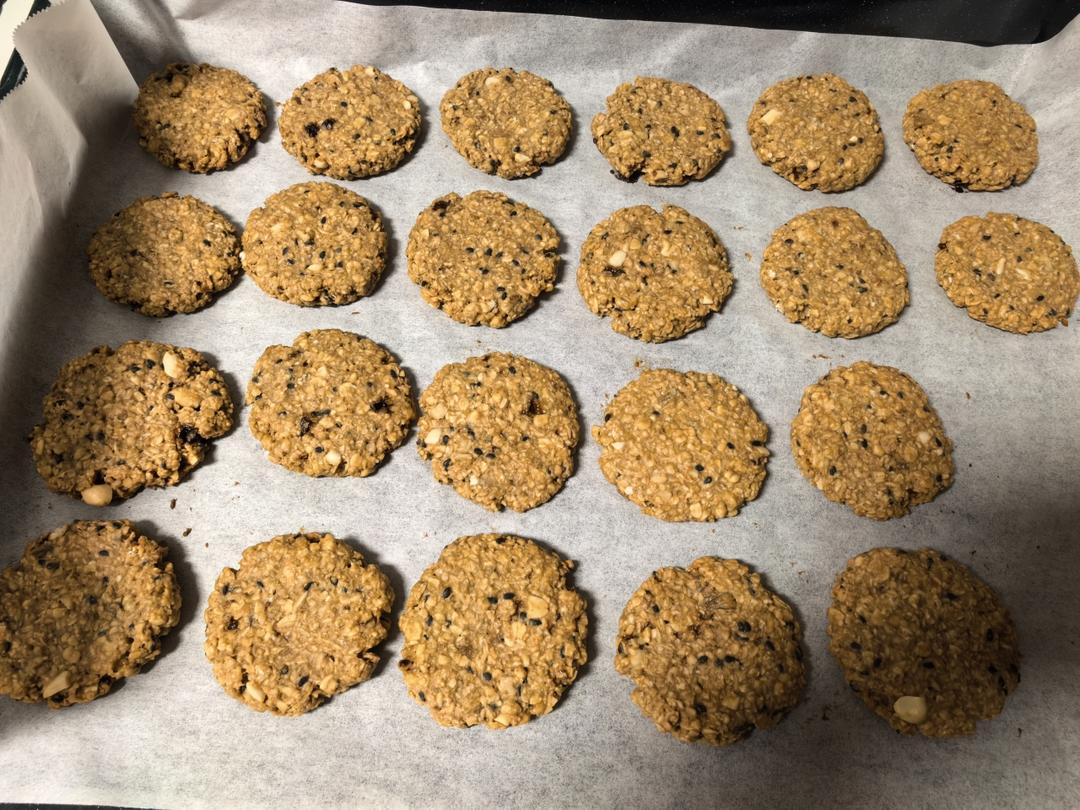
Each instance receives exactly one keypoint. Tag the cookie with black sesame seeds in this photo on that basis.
(116, 421)
(315, 244)
(829, 270)
(85, 606)
(500, 429)
(667, 133)
(166, 254)
(349, 124)
(332, 404)
(482, 258)
(971, 135)
(714, 654)
(1008, 272)
(817, 132)
(198, 118)
(494, 632)
(296, 622)
(867, 437)
(922, 641)
(683, 446)
(505, 121)
(656, 274)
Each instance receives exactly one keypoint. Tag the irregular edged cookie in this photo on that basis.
(164, 254)
(500, 429)
(1008, 272)
(683, 445)
(482, 258)
(494, 634)
(923, 641)
(296, 622)
(506, 122)
(971, 135)
(663, 131)
(315, 244)
(866, 436)
(712, 652)
(84, 607)
(333, 403)
(656, 274)
(818, 132)
(350, 124)
(115, 422)
(198, 118)
(830, 271)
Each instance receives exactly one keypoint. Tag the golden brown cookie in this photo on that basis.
(656, 274)
(296, 622)
(683, 445)
(922, 641)
(866, 436)
(494, 633)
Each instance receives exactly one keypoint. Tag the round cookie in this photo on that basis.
(296, 622)
(166, 254)
(333, 403)
(866, 436)
(500, 429)
(506, 122)
(117, 421)
(84, 607)
(663, 131)
(818, 132)
(315, 244)
(493, 632)
(350, 124)
(482, 258)
(1008, 272)
(830, 271)
(683, 446)
(656, 274)
(971, 135)
(712, 652)
(198, 118)
(922, 641)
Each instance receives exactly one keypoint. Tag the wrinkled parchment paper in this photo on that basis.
(171, 737)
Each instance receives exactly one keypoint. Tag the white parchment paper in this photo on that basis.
(171, 737)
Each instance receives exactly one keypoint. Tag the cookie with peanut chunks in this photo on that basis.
(165, 254)
(315, 244)
(349, 124)
(971, 135)
(296, 622)
(85, 606)
(683, 446)
(714, 655)
(1008, 272)
(505, 121)
(494, 633)
(656, 274)
(501, 429)
(817, 132)
(867, 437)
(198, 118)
(922, 641)
(117, 421)
(667, 133)
(829, 270)
(333, 403)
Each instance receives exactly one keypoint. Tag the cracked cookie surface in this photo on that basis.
(494, 633)
(85, 606)
(922, 641)
(296, 622)
(714, 655)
